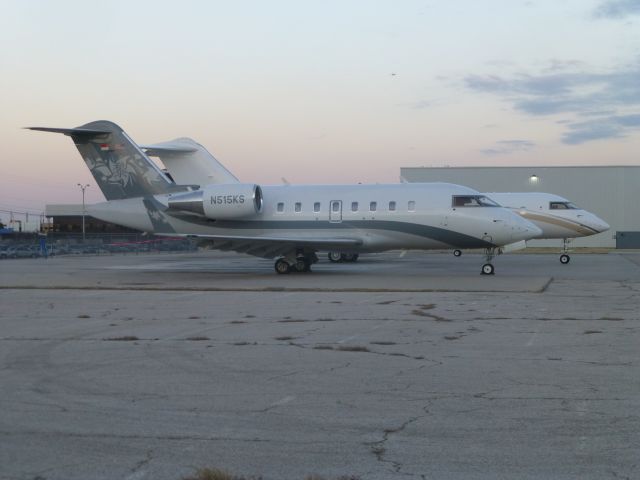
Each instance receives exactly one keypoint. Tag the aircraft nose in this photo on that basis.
(525, 230)
(602, 226)
(594, 222)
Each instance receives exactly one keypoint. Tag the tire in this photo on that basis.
(349, 257)
(564, 259)
(301, 266)
(334, 257)
(282, 266)
(487, 269)
(457, 253)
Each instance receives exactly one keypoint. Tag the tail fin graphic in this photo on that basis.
(189, 162)
(119, 167)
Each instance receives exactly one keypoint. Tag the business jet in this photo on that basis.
(286, 222)
(555, 216)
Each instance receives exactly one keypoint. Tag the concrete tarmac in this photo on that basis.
(398, 366)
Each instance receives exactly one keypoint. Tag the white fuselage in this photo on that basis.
(556, 216)
(408, 216)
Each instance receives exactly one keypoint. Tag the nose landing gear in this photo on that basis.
(564, 257)
(488, 268)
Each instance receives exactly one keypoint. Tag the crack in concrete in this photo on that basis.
(379, 450)
(136, 470)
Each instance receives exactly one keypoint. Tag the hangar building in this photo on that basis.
(608, 191)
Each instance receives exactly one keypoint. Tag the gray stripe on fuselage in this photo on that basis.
(449, 237)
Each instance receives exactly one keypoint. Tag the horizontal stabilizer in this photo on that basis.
(71, 131)
(163, 148)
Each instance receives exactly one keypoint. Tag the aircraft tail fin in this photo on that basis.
(189, 163)
(121, 169)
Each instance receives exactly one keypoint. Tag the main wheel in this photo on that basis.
(349, 257)
(302, 265)
(564, 258)
(335, 256)
(457, 253)
(487, 269)
(282, 266)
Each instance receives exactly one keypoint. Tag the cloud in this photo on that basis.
(504, 147)
(594, 95)
(615, 126)
(617, 9)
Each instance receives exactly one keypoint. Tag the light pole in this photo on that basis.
(83, 188)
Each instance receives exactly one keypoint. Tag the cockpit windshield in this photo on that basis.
(472, 201)
(562, 206)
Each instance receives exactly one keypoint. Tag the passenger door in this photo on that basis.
(335, 211)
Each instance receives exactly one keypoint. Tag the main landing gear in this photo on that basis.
(300, 263)
(337, 257)
(564, 257)
(457, 253)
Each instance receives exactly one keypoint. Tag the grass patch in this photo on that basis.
(249, 316)
(323, 347)
(83, 315)
(285, 337)
(382, 342)
(589, 332)
(325, 319)
(291, 320)
(125, 338)
(352, 348)
(451, 337)
(198, 338)
(386, 302)
(237, 321)
(239, 344)
(612, 319)
(194, 317)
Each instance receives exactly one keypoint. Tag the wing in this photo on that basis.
(271, 247)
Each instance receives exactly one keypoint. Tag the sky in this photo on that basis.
(318, 92)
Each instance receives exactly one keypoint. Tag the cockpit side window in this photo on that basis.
(472, 201)
(562, 206)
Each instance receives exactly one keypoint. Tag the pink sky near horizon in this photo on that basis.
(333, 93)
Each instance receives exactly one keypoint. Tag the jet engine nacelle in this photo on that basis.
(225, 201)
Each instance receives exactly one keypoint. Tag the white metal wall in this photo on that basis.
(611, 192)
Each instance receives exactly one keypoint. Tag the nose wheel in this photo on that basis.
(564, 257)
(488, 269)
(457, 253)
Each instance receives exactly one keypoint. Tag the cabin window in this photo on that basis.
(411, 206)
(298, 207)
(472, 201)
(562, 206)
(280, 207)
(316, 207)
(335, 206)
(392, 206)
(354, 206)
(373, 206)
